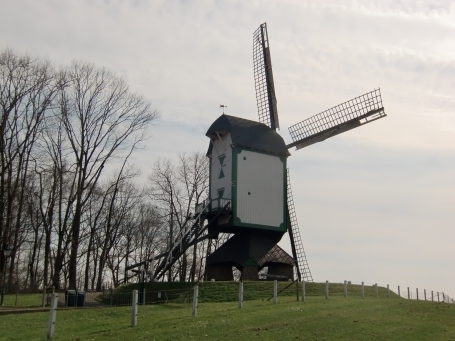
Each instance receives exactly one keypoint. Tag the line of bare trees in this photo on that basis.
(70, 222)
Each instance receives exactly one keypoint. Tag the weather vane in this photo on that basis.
(223, 106)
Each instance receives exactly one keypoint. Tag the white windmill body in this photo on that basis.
(248, 169)
(247, 172)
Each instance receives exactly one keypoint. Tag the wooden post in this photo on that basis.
(303, 291)
(363, 290)
(399, 291)
(345, 289)
(240, 295)
(432, 297)
(425, 294)
(326, 289)
(388, 291)
(134, 306)
(417, 292)
(409, 295)
(44, 294)
(297, 289)
(376, 289)
(438, 296)
(195, 299)
(111, 295)
(275, 292)
(52, 317)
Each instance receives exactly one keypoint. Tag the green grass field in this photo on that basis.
(316, 319)
(23, 300)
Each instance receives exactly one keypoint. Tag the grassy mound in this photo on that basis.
(257, 290)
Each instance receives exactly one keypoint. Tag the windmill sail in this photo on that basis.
(339, 119)
(263, 79)
(302, 268)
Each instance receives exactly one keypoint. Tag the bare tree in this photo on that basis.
(27, 88)
(122, 198)
(58, 132)
(101, 117)
(193, 173)
(56, 193)
(176, 190)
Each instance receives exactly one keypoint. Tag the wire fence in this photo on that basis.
(111, 298)
(424, 295)
(228, 292)
(374, 290)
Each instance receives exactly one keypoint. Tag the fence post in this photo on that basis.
(376, 289)
(399, 291)
(143, 296)
(240, 295)
(111, 295)
(409, 295)
(195, 299)
(297, 289)
(363, 290)
(417, 292)
(275, 292)
(134, 306)
(388, 291)
(303, 291)
(432, 297)
(425, 294)
(438, 296)
(52, 317)
(345, 289)
(326, 289)
(443, 297)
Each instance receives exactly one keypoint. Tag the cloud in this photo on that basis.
(379, 195)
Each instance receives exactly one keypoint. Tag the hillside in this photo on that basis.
(228, 291)
(316, 319)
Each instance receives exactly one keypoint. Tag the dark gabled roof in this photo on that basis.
(276, 255)
(249, 134)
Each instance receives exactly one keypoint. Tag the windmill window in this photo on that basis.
(244, 158)
(221, 159)
(249, 193)
(220, 193)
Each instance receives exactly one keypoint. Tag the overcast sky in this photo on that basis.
(376, 204)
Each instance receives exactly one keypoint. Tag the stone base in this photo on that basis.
(250, 273)
(219, 272)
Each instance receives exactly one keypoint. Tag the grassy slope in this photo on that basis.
(213, 291)
(316, 319)
(228, 291)
(23, 300)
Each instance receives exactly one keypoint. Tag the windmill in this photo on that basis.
(248, 169)
(250, 192)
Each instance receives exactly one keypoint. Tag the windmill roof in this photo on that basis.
(250, 134)
(276, 255)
